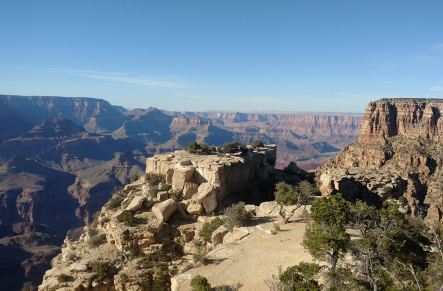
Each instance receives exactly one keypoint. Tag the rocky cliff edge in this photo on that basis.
(399, 154)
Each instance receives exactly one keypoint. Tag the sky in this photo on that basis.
(230, 55)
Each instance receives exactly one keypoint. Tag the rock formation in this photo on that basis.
(399, 153)
(210, 178)
(150, 227)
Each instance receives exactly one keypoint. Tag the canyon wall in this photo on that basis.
(399, 153)
(409, 118)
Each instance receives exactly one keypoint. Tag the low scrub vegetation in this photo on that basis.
(129, 219)
(63, 278)
(199, 148)
(226, 148)
(161, 280)
(153, 191)
(209, 227)
(155, 179)
(97, 240)
(200, 255)
(114, 202)
(394, 251)
(103, 270)
(233, 147)
(297, 196)
(200, 283)
(237, 215)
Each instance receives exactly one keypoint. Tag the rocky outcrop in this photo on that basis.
(150, 227)
(146, 247)
(210, 178)
(399, 153)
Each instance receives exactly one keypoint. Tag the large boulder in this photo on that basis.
(189, 189)
(135, 204)
(207, 196)
(195, 208)
(182, 174)
(165, 209)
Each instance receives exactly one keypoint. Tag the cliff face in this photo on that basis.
(216, 176)
(399, 153)
(408, 118)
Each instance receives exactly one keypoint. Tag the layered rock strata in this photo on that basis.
(399, 153)
(208, 179)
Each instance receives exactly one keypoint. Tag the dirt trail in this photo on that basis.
(252, 260)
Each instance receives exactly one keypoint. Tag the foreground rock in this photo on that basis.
(150, 230)
(165, 209)
(399, 153)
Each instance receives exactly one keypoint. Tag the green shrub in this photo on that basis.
(198, 148)
(307, 188)
(153, 191)
(233, 147)
(288, 195)
(200, 256)
(103, 270)
(114, 202)
(134, 178)
(97, 240)
(63, 278)
(285, 194)
(155, 179)
(236, 215)
(128, 218)
(200, 283)
(161, 280)
(209, 227)
(300, 277)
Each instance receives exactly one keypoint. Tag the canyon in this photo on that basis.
(398, 156)
(62, 158)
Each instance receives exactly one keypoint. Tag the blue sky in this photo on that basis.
(235, 55)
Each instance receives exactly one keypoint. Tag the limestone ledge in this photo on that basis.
(226, 174)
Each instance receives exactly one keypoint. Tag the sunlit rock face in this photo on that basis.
(211, 178)
(399, 152)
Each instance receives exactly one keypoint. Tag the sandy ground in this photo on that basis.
(253, 260)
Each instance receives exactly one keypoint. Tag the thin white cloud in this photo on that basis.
(437, 46)
(436, 89)
(126, 79)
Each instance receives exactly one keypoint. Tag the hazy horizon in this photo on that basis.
(248, 56)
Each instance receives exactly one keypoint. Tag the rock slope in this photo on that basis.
(399, 153)
(149, 231)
